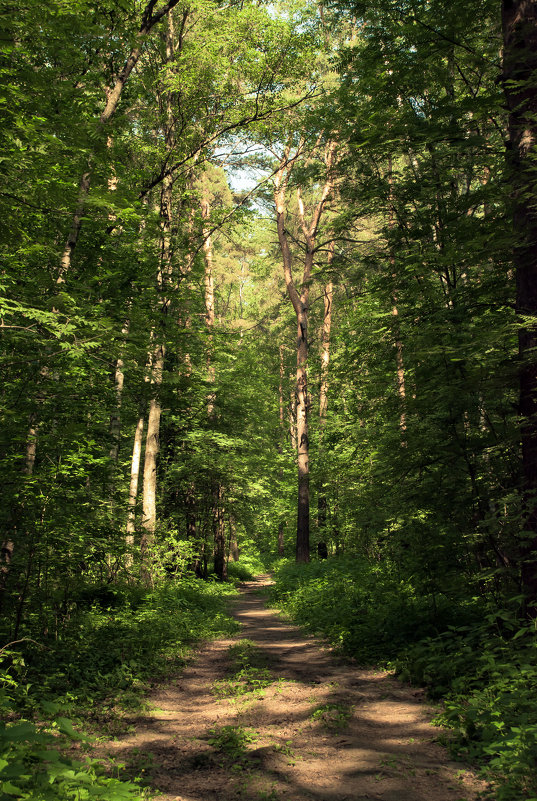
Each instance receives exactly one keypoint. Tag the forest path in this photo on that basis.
(311, 728)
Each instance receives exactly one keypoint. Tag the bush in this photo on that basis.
(360, 607)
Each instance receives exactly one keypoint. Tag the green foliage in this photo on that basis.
(361, 606)
(487, 676)
(116, 639)
(249, 674)
(232, 741)
(479, 660)
(33, 765)
(248, 566)
(332, 716)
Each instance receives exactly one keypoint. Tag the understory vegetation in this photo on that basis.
(474, 657)
(81, 682)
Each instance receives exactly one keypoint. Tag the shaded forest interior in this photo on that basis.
(268, 301)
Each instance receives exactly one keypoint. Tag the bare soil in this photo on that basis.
(323, 730)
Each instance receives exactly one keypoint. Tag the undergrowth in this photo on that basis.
(481, 662)
(249, 674)
(113, 643)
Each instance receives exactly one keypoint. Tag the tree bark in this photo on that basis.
(281, 526)
(519, 20)
(300, 301)
(152, 443)
(133, 485)
(152, 447)
(399, 361)
(322, 503)
(209, 297)
(219, 533)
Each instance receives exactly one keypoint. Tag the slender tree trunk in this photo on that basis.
(133, 485)
(300, 302)
(219, 533)
(302, 434)
(152, 443)
(220, 564)
(209, 297)
(292, 419)
(115, 417)
(322, 503)
(400, 366)
(233, 544)
(281, 526)
(519, 18)
(7, 548)
(152, 447)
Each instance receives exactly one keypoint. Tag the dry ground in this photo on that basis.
(322, 730)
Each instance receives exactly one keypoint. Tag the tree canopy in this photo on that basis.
(247, 240)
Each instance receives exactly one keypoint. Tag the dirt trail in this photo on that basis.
(322, 730)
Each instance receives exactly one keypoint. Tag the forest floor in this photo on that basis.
(274, 715)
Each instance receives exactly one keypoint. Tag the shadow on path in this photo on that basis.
(323, 730)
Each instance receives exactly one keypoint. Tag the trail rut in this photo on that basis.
(323, 730)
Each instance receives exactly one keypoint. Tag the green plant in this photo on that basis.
(332, 716)
(250, 674)
(33, 766)
(231, 740)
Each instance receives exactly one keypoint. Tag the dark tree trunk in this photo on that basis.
(519, 18)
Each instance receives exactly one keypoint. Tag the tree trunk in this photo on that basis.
(281, 526)
(219, 532)
(133, 486)
(519, 18)
(300, 301)
(322, 503)
(400, 366)
(152, 447)
(209, 298)
(303, 443)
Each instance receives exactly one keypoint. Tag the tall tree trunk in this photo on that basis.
(322, 503)
(302, 434)
(219, 534)
(133, 486)
(281, 526)
(152, 443)
(152, 447)
(115, 417)
(300, 302)
(399, 362)
(209, 297)
(519, 18)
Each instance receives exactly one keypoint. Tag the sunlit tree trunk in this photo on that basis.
(152, 443)
(133, 486)
(281, 525)
(519, 18)
(208, 296)
(328, 294)
(300, 302)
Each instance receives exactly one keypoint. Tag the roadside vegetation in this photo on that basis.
(474, 657)
(81, 681)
